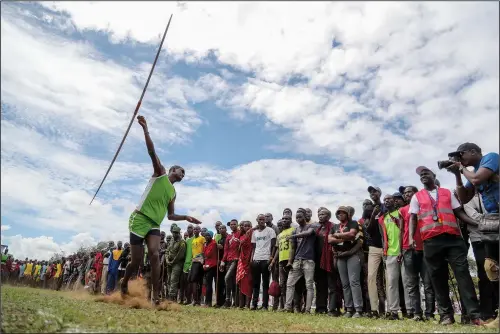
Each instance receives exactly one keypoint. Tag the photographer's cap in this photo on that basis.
(420, 169)
(464, 148)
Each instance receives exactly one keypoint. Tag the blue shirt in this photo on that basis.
(22, 268)
(488, 189)
(304, 247)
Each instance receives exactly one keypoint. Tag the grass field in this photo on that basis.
(36, 310)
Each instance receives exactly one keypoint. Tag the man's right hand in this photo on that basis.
(193, 220)
(412, 243)
(142, 122)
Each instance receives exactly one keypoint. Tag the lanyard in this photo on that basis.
(434, 204)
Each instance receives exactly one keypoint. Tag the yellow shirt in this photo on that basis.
(116, 254)
(284, 245)
(37, 269)
(197, 246)
(58, 271)
(29, 269)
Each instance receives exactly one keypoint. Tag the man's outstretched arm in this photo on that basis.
(173, 216)
(157, 166)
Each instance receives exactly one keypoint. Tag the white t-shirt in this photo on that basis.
(415, 206)
(262, 240)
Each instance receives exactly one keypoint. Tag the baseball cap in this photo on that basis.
(210, 233)
(397, 194)
(464, 148)
(420, 169)
(175, 229)
(372, 188)
(402, 189)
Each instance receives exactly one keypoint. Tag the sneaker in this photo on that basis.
(410, 316)
(418, 317)
(348, 314)
(367, 314)
(446, 320)
(227, 304)
(357, 315)
(375, 315)
(393, 316)
(263, 308)
(429, 317)
(334, 314)
(253, 308)
(465, 320)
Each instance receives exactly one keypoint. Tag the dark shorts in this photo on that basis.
(136, 240)
(196, 273)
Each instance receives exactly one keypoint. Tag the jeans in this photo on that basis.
(488, 293)
(230, 280)
(326, 284)
(393, 271)
(415, 266)
(260, 269)
(350, 271)
(283, 278)
(112, 279)
(450, 249)
(300, 268)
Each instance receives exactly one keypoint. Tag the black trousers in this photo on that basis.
(221, 288)
(416, 269)
(195, 278)
(185, 293)
(210, 276)
(488, 292)
(450, 249)
(260, 269)
(326, 284)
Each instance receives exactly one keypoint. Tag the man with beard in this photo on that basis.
(414, 264)
(434, 212)
(309, 216)
(229, 262)
(376, 288)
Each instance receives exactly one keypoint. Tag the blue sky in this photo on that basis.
(266, 105)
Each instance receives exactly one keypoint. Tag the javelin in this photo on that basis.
(136, 110)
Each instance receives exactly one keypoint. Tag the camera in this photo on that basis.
(444, 164)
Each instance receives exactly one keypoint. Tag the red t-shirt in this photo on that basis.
(210, 253)
(405, 214)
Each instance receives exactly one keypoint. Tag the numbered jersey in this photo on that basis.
(285, 245)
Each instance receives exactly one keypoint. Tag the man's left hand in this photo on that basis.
(455, 168)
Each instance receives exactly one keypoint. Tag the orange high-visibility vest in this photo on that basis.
(447, 222)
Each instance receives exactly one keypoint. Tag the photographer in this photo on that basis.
(484, 179)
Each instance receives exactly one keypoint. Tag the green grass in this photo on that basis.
(35, 310)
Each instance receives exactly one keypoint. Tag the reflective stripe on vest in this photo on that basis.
(448, 222)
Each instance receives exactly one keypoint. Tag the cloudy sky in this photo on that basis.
(266, 105)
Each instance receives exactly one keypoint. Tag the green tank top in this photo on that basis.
(284, 245)
(156, 198)
(189, 255)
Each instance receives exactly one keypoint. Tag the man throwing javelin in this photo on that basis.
(144, 223)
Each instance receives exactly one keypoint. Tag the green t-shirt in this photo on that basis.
(284, 245)
(393, 233)
(217, 237)
(156, 198)
(189, 255)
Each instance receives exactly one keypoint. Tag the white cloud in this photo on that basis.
(5, 227)
(406, 84)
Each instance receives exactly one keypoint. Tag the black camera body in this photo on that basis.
(444, 164)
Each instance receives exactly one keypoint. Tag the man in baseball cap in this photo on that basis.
(465, 147)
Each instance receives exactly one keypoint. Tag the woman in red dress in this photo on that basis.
(98, 265)
(243, 272)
